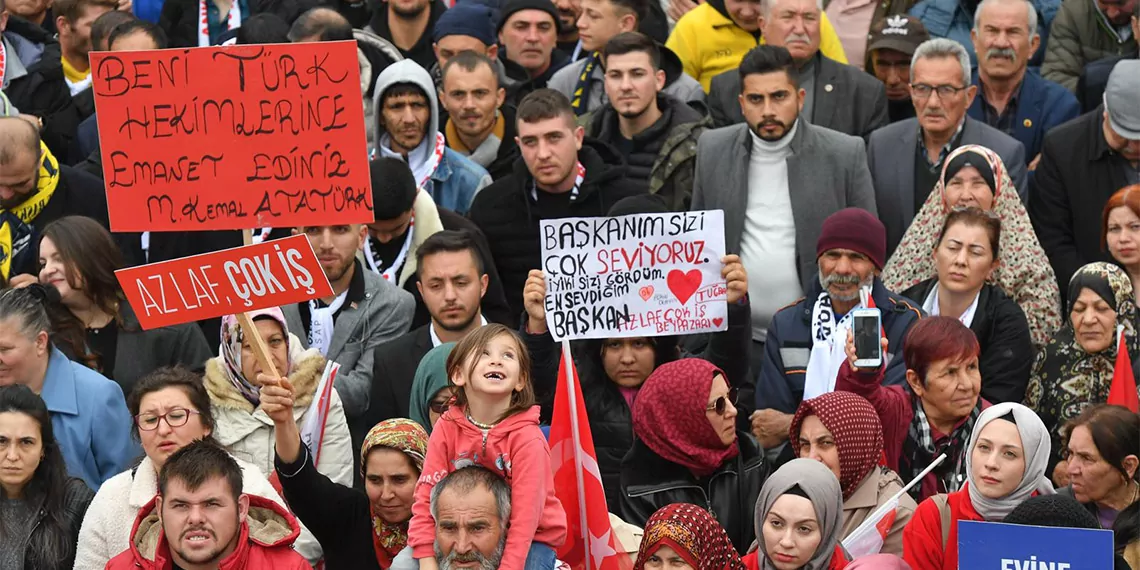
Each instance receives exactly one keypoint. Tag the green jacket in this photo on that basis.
(1079, 36)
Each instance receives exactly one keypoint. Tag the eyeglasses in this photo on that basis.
(720, 405)
(440, 406)
(923, 90)
(175, 417)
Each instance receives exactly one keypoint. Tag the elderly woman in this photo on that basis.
(431, 394)
(1005, 465)
(938, 412)
(1077, 365)
(688, 450)
(1120, 231)
(966, 255)
(1102, 451)
(842, 431)
(799, 520)
(974, 175)
(683, 536)
(233, 381)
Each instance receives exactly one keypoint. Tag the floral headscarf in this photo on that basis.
(1024, 272)
(858, 434)
(230, 349)
(407, 437)
(693, 534)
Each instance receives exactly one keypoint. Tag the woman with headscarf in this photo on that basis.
(687, 449)
(799, 520)
(843, 432)
(431, 394)
(683, 536)
(1005, 465)
(1077, 365)
(975, 176)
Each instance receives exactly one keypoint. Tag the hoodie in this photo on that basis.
(514, 445)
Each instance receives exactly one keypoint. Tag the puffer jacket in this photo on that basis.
(248, 433)
(1080, 35)
(76, 498)
(649, 482)
(265, 541)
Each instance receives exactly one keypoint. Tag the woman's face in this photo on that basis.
(1123, 236)
(22, 359)
(162, 441)
(21, 450)
(439, 402)
(56, 273)
(274, 338)
(791, 532)
(968, 188)
(724, 424)
(390, 482)
(951, 388)
(964, 258)
(628, 361)
(998, 459)
(665, 558)
(1093, 478)
(816, 442)
(1094, 322)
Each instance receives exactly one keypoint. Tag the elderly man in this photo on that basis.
(1086, 31)
(1011, 97)
(836, 96)
(906, 157)
(806, 340)
(528, 31)
(889, 50)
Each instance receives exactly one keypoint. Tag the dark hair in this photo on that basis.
(1115, 431)
(393, 187)
(72, 10)
(1128, 197)
(977, 218)
(102, 27)
(629, 42)
(403, 88)
(325, 23)
(26, 305)
(768, 59)
(468, 349)
(287, 10)
(545, 104)
(199, 462)
(937, 338)
(470, 61)
(172, 377)
(131, 26)
(54, 547)
(639, 8)
(263, 29)
(450, 241)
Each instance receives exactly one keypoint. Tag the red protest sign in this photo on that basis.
(236, 137)
(268, 274)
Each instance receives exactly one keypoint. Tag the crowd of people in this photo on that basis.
(970, 169)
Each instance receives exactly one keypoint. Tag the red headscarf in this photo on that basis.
(693, 534)
(855, 426)
(670, 416)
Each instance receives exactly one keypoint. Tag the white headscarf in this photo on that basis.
(1035, 443)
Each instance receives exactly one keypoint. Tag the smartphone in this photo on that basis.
(867, 325)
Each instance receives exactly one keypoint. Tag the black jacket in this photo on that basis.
(43, 92)
(524, 83)
(507, 213)
(649, 482)
(1003, 333)
(421, 53)
(1094, 79)
(1077, 174)
(76, 498)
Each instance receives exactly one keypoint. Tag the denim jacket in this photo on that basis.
(456, 181)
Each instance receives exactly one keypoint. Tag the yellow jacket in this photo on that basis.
(710, 43)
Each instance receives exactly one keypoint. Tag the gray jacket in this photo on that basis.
(384, 314)
(891, 153)
(826, 173)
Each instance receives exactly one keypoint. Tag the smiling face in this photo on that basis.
(274, 337)
(967, 188)
(997, 462)
(23, 360)
(628, 361)
(793, 24)
(21, 450)
(632, 83)
(161, 442)
(1122, 234)
(390, 482)
(723, 424)
(1094, 322)
(791, 532)
(494, 370)
(201, 525)
(816, 442)
(56, 272)
(964, 258)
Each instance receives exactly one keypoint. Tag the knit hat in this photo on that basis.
(466, 19)
(855, 229)
(512, 6)
(1052, 510)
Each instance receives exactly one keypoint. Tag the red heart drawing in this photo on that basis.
(646, 292)
(683, 285)
(717, 322)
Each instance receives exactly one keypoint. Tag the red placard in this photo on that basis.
(235, 137)
(241, 279)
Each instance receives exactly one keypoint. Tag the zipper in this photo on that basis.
(40, 515)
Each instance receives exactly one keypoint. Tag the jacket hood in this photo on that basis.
(305, 373)
(405, 71)
(719, 6)
(671, 64)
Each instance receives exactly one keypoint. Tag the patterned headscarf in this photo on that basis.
(822, 489)
(408, 437)
(230, 349)
(1035, 445)
(693, 534)
(1022, 273)
(670, 416)
(858, 433)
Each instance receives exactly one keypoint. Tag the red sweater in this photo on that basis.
(922, 537)
(838, 560)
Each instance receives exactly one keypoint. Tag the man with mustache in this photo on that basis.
(479, 125)
(472, 507)
(806, 340)
(890, 46)
(1084, 32)
(1013, 98)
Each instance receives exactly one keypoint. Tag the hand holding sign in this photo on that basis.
(276, 398)
(534, 300)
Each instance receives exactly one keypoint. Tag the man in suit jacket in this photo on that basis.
(837, 96)
(900, 153)
(777, 178)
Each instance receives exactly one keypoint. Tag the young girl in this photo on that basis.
(494, 423)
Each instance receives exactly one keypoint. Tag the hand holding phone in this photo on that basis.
(867, 329)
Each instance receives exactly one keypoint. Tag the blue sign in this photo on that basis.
(997, 546)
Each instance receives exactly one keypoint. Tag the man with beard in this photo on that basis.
(479, 125)
(74, 19)
(1013, 98)
(408, 24)
(777, 177)
(806, 340)
(655, 133)
(568, 12)
(528, 30)
(471, 507)
(1086, 31)
(889, 48)
(202, 520)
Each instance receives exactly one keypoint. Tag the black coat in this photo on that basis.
(421, 53)
(1003, 333)
(506, 212)
(1077, 174)
(647, 144)
(76, 194)
(649, 482)
(43, 92)
(1094, 79)
(76, 498)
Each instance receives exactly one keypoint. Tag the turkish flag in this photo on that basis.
(590, 541)
(1123, 389)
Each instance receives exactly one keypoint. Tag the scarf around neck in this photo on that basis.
(487, 151)
(232, 21)
(919, 450)
(423, 160)
(580, 102)
(408, 437)
(17, 233)
(829, 344)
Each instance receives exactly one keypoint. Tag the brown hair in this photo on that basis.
(465, 354)
(1128, 196)
(1115, 431)
(178, 377)
(978, 218)
(543, 105)
(72, 10)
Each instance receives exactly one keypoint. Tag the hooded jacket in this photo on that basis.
(677, 84)
(265, 541)
(456, 179)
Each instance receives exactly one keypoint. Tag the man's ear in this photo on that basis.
(579, 135)
(483, 281)
(660, 77)
(493, 52)
(243, 507)
(628, 23)
(971, 92)
(362, 235)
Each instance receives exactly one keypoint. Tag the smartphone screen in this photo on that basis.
(867, 335)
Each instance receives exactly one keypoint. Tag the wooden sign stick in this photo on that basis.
(249, 331)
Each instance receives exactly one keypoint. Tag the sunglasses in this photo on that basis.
(720, 405)
(440, 406)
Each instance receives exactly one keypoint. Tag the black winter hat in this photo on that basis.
(1052, 510)
(512, 6)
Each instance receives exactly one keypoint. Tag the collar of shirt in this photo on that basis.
(435, 341)
(1010, 106)
(950, 145)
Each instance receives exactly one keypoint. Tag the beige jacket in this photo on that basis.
(876, 489)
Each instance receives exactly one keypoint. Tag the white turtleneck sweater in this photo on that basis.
(768, 243)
